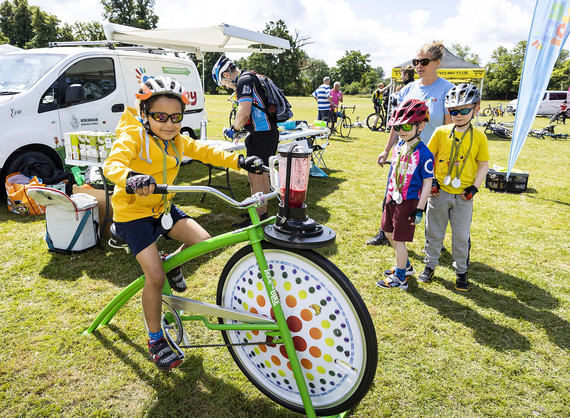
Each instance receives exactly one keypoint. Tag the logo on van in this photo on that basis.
(15, 112)
(140, 75)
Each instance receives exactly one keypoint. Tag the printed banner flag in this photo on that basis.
(547, 36)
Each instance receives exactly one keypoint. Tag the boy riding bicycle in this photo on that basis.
(149, 146)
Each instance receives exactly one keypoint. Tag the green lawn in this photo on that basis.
(502, 349)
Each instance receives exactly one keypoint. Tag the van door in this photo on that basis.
(104, 96)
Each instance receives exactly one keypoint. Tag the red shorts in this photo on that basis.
(395, 220)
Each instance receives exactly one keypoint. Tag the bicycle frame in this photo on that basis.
(252, 235)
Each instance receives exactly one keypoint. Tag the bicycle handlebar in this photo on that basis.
(257, 199)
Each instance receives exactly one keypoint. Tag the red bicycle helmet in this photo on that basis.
(410, 111)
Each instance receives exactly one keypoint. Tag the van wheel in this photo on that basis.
(18, 163)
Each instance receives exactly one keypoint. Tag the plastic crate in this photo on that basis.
(497, 181)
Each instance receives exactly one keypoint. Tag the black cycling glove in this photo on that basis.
(434, 187)
(138, 181)
(469, 192)
(416, 215)
(252, 164)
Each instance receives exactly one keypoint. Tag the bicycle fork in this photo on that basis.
(284, 329)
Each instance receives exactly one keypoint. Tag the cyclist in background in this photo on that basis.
(377, 101)
(321, 95)
(335, 99)
(149, 146)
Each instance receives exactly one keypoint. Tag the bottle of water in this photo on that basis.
(203, 133)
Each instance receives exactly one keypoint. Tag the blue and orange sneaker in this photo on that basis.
(391, 282)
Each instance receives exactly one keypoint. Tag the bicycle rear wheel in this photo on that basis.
(380, 123)
(232, 117)
(487, 111)
(331, 328)
(345, 127)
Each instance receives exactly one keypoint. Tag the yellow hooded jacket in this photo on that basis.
(135, 150)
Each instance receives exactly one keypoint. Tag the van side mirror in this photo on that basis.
(74, 93)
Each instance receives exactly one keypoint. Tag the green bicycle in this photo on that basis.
(292, 321)
(342, 125)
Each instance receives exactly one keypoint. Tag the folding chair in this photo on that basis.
(318, 150)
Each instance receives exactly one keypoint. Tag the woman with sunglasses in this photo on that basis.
(149, 147)
(429, 88)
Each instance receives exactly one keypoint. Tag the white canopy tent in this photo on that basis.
(221, 38)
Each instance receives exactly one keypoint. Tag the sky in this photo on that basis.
(390, 31)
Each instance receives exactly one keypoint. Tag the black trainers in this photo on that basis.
(379, 239)
(247, 222)
(461, 283)
(163, 356)
(427, 276)
(175, 277)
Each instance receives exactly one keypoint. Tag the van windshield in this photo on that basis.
(19, 72)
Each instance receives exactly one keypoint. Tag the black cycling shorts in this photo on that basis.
(262, 144)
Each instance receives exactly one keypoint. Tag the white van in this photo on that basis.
(38, 103)
(550, 104)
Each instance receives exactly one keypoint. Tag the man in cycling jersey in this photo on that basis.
(252, 117)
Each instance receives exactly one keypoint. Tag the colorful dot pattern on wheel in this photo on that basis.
(323, 327)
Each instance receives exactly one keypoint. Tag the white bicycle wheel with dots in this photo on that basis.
(331, 328)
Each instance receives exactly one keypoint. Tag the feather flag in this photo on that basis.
(547, 36)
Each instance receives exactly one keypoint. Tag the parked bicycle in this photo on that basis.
(233, 112)
(547, 131)
(377, 120)
(560, 117)
(292, 321)
(501, 129)
(495, 111)
(343, 125)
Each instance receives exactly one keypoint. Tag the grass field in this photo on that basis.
(502, 349)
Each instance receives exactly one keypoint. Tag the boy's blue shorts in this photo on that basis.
(141, 233)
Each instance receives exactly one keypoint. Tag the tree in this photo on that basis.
(464, 52)
(312, 73)
(45, 28)
(16, 22)
(284, 68)
(88, 31)
(138, 14)
(353, 66)
(502, 73)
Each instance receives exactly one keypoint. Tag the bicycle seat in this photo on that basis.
(116, 240)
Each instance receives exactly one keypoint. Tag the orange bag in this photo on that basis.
(18, 200)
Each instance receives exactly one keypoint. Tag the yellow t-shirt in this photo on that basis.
(440, 145)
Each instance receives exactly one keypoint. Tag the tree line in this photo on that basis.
(298, 74)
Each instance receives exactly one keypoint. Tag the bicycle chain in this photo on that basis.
(229, 344)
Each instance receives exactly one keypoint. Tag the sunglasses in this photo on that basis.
(406, 127)
(163, 117)
(423, 61)
(463, 112)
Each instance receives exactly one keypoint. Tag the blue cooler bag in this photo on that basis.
(72, 222)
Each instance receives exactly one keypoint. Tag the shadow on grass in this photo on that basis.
(181, 391)
(530, 303)
(558, 202)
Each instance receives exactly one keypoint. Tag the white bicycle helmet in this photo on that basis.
(162, 85)
(222, 65)
(462, 94)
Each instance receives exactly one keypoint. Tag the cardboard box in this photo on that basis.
(99, 194)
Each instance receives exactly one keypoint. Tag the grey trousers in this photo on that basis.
(441, 210)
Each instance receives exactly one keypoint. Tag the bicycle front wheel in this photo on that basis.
(345, 127)
(331, 328)
(487, 111)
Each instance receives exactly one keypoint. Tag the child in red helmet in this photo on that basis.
(410, 179)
